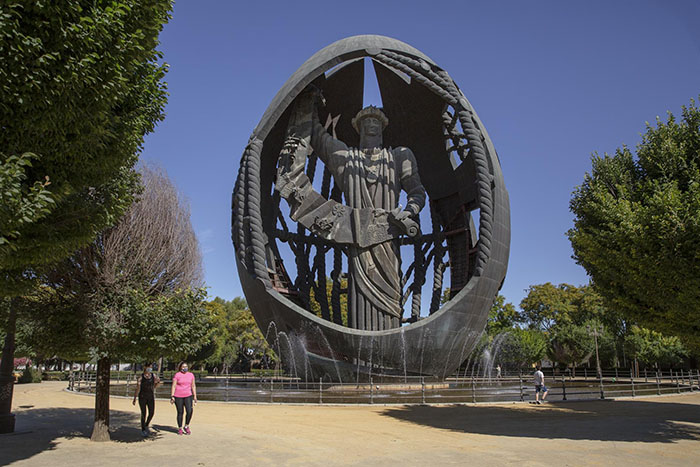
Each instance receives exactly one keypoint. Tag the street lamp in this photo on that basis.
(596, 331)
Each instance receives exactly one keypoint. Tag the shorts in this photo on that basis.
(541, 388)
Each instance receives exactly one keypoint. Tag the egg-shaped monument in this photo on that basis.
(370, 241)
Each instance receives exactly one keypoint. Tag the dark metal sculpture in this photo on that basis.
(371, 178)
(458, 168)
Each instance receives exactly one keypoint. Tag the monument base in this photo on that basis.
(346, 372)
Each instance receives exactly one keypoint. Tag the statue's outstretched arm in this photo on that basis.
(325, 146)
(331, 151)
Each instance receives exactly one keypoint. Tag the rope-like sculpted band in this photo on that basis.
(441, 84)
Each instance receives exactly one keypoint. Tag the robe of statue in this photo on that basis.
(372, 179)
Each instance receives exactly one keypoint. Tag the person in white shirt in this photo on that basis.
(539, 385)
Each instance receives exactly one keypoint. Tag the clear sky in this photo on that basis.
(552, 82)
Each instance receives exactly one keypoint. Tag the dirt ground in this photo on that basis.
(53, 427)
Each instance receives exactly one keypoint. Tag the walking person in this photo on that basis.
(183, 394)
(145, 391)
(539, 385)
(498, 371)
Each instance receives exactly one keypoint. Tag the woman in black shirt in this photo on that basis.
(146, 386)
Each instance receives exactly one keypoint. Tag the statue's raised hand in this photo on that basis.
(307, 103)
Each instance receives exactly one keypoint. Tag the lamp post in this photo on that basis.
(596, 331)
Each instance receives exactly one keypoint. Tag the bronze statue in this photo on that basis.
(371, 179)
(372, 176)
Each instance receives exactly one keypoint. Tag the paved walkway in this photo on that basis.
(53, 427)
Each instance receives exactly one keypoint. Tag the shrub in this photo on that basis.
(30, 375)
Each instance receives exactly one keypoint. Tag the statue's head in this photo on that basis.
(370, 121)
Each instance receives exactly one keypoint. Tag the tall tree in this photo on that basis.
(236, 338)
(546, 305)
(80, 86)
(563, 312)
(521, 348)
(136, 287)
(502, 316)
(572, 344)
(637, 227)
(654, 349)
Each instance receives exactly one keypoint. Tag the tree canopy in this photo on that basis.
(521, 348)
(236, 340)
(555, 321)
(502, 316)
(654, 349)
(637, 227)
(81, 83)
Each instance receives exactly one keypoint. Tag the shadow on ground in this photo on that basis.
(50, 424)
(621, 420)
(169, 429)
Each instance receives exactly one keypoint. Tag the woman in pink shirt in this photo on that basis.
(183, 394)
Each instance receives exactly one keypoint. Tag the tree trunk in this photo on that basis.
(7, 380)
(100, 431)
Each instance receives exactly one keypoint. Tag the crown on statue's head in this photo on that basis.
(369, 111)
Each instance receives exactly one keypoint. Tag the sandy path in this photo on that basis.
(53, 426)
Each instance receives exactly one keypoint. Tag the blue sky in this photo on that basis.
(552, 82)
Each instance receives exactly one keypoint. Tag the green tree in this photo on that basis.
(563, 309)
(502, 316)
(80, 86)
(521, 348)
(236, 338)
(547, 305)
(637, 227)
(654, 349)
(172, 325)
(571, 344)
(609, 347)
(47, 327)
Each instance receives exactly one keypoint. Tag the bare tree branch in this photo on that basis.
(152, 248)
